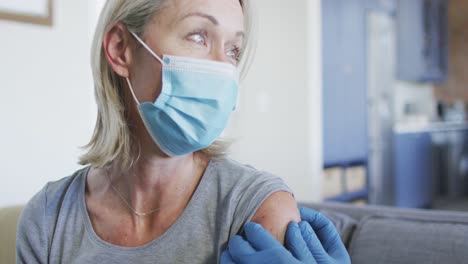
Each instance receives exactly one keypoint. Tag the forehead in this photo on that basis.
(227, 12)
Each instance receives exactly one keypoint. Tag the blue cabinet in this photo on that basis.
(344, 82)
(422, 40)
(413, 170)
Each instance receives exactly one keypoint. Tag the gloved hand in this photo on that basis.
(303, 244)
(325, 243)
(261, 247)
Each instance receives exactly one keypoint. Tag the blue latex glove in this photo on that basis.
(305, 246)
(325, 243)
(261, 247)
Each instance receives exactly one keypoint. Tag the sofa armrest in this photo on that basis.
(8, 224)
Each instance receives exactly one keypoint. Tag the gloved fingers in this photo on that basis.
(239, 247)
(317, 220)
(259, 238)
(323, 227)
(226, 258)
(312, 241)
(307, 214)
(296, 244)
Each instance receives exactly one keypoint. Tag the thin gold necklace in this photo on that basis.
(140, 214)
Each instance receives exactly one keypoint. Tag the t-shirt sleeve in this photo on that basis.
(31, 238)
(253, 192)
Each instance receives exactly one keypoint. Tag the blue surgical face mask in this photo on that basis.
(193, 109)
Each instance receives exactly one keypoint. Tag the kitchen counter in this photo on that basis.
(431, 127)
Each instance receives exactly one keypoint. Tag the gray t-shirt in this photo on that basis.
(55, 226)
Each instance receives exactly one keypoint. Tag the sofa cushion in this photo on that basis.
(8, 222)
(343, 223)
(383, 239)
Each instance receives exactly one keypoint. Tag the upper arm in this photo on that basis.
(31, 240)
(275, 213)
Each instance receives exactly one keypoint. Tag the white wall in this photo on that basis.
(278, 124)
(46, 102)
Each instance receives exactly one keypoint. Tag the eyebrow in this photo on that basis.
(212, 19)
(240, 34)
(209, 17)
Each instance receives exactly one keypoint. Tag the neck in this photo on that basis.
(158, 182)
(151, 173)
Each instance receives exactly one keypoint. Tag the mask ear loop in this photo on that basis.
(152, 53)
(131, 90)
(147, 47)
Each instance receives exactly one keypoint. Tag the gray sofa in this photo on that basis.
(376, 235)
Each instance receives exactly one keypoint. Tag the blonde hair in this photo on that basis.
(112, 140)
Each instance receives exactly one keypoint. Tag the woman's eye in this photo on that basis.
(198, 38)
(234, 54)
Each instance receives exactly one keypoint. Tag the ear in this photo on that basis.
(116, 46)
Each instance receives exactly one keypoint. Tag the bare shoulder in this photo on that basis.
(275, 213)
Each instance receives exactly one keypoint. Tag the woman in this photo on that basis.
(156, 188)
